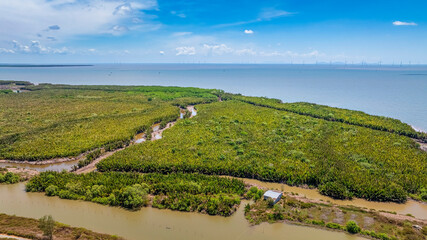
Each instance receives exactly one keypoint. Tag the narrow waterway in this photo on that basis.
(151, 223)
(68, 165)
(43, 167)
(417, 209)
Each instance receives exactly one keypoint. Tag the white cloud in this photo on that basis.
(185, 51)
(118, 30)
(245, 51)
(270, 13)
(34, 47)
(248, 31)
(162, 52)
(313, 53)
(180, 34)
(24, 19)
(178, 14)
(4, 50)
(399, 23)
(218, 49)
(265, 15)
(123, 9)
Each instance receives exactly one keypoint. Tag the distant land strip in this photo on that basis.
(45, 65)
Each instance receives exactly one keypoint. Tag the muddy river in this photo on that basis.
(417, 209)
(150, 223)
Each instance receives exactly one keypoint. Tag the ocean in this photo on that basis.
(393, 91)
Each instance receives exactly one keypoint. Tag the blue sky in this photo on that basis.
(186, 31)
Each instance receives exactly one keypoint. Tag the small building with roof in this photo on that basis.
(275, 195)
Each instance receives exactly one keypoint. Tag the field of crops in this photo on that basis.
(60, 121)
(240, 139)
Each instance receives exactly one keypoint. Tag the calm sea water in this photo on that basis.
(393, 91)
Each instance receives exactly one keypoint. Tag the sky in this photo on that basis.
(220, 31)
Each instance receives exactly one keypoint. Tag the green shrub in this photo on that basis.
(52, 190)
(352, 227)
(9, 178)
(335, 190)
(47, 225)
(183, 192)
(334, 225)
(318, 222)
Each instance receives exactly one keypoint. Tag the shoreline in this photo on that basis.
(418, 129)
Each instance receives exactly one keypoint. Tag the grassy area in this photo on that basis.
(343, 218)
(243, 140)
(28, 228)
(60, 120)
(182, 192)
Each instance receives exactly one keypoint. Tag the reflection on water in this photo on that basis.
(415, 208)
(43, 167)
(192, 110)
(150, 223)
(140, 137)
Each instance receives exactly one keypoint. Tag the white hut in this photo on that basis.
(275, 195)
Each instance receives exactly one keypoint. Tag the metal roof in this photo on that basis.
(272, 194)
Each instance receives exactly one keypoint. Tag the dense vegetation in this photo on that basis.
(5, 91)
(8, 177)
(28, 228)
(344, 153)
(243, 140)
(13, 82)
(337, 114)
(60, 120)
(345, 218)
(183, 192)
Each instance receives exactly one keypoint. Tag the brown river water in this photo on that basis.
(151, 223)
(417, 209)
(43, 167)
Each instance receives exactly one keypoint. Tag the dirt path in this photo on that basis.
(13, 237)
(155, 135)
(423, 146)
(23, 172)
(399, 217)
(92, 166)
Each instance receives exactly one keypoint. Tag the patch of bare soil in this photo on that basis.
(24, 173)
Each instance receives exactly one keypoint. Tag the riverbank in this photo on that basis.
(152, 223)
(415, 208)
(26, 228)
(221, 196)
(300, 210)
